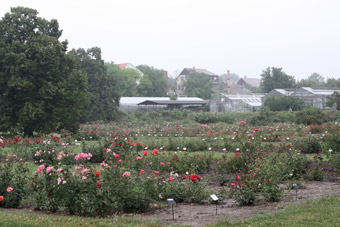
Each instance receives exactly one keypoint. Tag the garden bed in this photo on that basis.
(201, 215)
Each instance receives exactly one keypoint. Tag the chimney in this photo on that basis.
(245, 77)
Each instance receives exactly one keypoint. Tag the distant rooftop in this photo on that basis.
(254, 82)
(250, 99)
(286, 92)
(136, 100)
(186, 71)
(320, 91)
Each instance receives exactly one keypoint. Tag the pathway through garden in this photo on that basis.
(200, 215)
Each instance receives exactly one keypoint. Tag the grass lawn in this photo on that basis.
(323, 212)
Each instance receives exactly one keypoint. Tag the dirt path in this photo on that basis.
(200, 215)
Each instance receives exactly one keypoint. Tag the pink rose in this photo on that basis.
(126, 174)
(40, 168)
(9, 189)
(49, 169)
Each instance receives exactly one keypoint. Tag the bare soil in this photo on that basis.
(205, 214)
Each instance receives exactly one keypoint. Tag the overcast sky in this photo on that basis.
(244, 36)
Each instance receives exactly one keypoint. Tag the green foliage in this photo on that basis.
(309, 116)
(204, 118)
(243, 190)
(41, 89)
(192, 163)
(185, 190)
(273, 78)
(125, 79)
(198, 85)
(14, 176)
(333, 142)
(283, 103)
(308, 145)
(272, 191)
(145, 87)
(314, 80)
(315, 173)
(334, 100)
(103, 97)
(157, 78)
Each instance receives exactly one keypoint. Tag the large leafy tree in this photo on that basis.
(40, 88)
(273, 78)
(156, 76)
(103, 96)
(198, 85)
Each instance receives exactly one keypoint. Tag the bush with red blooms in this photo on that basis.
(195, 177)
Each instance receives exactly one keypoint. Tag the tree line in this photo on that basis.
(44, 87)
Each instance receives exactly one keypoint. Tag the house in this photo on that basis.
(182, 77)
(249, 82)
(236, 102)
(131, 66)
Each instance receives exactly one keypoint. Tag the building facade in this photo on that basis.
(310, 96)
(236, 102)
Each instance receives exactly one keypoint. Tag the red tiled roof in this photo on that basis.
(122, 66)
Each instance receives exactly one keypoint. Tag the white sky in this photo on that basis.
(244, 36)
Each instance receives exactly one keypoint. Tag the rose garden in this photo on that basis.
(133, 167)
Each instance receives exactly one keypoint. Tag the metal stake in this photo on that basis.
(173, 213)
(296, 195)
(216, 208)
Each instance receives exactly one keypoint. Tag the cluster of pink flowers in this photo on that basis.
(40, 168)
(242, 123)
(83, 172)
(61, 180)
(83, 156)
(2, 143)
(49, 169)
(126, 174)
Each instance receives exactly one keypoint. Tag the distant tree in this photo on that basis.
(233, 76)
(156, 76)
(145, 87)
(332, 83)
(334, 100)
(103, 97)
(273, 78)
(198, 85)
(172, 83)
(315, 80)
(40, 87)
(286, 103)
(126, 79)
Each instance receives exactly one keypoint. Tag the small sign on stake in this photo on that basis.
(172, 202)
(215, 200)
(296, 187)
